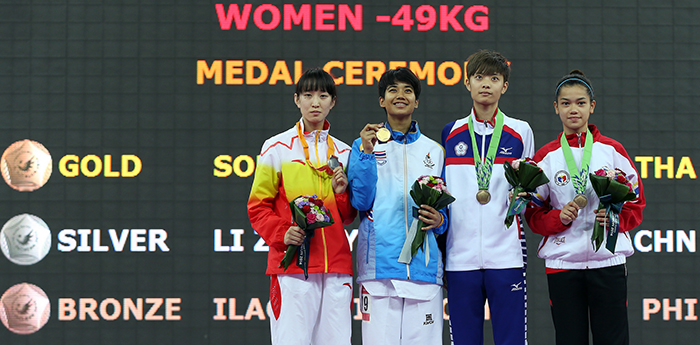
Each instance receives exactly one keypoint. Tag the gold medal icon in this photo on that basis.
(581, 200)
(383, 134)
(26, 165)
(483, 196)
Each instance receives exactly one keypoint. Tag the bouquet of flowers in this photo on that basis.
(426, 190)
(309, 214)
(613, 189)
(525, 176)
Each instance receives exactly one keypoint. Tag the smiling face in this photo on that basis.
(574, 106)
(314, 106)
(399, 99)
(486, 89)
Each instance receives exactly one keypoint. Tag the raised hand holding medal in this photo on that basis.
(372, 133)
(383, 134)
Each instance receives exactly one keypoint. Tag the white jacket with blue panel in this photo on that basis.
(379, 189)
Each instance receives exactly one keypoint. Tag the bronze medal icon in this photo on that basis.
(581, 200)
(383, 134)
(483, 196)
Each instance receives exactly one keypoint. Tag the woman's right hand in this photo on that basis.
(369, 137)
(294, 235)
(569, 213)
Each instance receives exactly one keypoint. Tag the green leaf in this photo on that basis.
(418, 240)
(598, 231)
(599, 183)
(414, 196)
(289, 256)
(444, 200)
(603, 186)
(511, 174)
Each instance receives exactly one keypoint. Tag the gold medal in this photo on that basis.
(581, 200)
(483, 196)
(383, 134)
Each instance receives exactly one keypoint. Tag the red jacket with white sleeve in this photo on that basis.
(570, 246)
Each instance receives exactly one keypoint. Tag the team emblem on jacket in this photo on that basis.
(562, 177)
(559, 240)
(428, 162)
(461, 149)
(380, 156)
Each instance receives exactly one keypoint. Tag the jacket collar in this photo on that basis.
(311, 136)
(578, 140)
(491, 122)
(412, 135)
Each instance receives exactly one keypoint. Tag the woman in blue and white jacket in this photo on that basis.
(401, 302)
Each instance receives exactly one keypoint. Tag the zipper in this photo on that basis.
(405, 199)
(481, 210)
(588, 250)
(320, 192)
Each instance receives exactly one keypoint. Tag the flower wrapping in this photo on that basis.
(309, 214)
(426, 190)
(525, 176)
(613, 189)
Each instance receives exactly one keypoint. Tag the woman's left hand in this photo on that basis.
(601, 218)
(340, 181)
(430, 217)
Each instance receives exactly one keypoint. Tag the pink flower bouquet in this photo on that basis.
(426, 190)
(613, 189)
(525, 176)
(309, 214)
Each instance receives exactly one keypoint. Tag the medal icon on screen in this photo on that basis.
(25, 239)
(26, 165)
(24, 308)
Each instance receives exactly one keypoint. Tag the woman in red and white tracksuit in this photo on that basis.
(585, 287)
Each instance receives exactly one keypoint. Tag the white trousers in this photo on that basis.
(316, 311)
(393, 320)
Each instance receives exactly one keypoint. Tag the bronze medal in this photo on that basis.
(581, 200)
(383, 134)
(483, 196)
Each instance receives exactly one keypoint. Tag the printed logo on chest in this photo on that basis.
(562, 177)
(461, 149)
(428, 162)
(506, 151)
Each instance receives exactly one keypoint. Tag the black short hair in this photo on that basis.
(402, 74)
(575, 77)
(487, 62)
(316, 79)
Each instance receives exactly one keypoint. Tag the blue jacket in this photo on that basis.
(379, 189)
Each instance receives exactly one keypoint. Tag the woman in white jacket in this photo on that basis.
(583, 283)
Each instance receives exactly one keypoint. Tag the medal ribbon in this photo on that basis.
(483, 170)
(305, 145)
(613, 212)
(579, 177)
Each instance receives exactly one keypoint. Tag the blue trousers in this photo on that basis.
(505, 289)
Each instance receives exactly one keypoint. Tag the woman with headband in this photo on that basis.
(587, 288)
